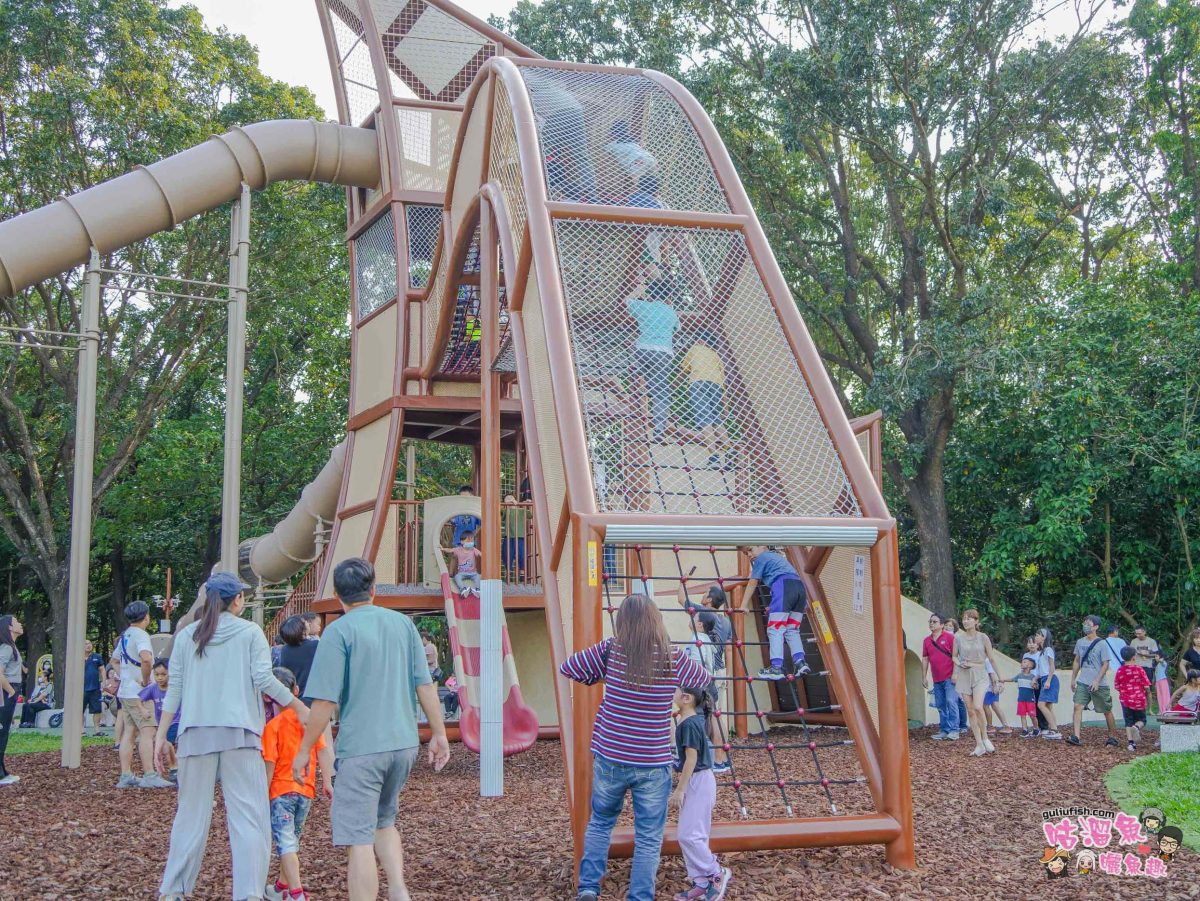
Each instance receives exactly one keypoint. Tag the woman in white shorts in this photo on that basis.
(972, 649)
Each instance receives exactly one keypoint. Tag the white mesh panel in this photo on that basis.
(424, 226)
(660, 442)
(375, 265)
(354, 61)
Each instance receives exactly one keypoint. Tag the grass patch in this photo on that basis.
(28, 742)
(1166, 781)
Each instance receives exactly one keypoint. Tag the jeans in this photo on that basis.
(655, 369)
(288, 814)
(946, 699)
(513, 556)
(8, 706)
(461, 581)
(650, 788)
(964, 722)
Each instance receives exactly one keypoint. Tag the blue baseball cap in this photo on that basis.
(226, 584)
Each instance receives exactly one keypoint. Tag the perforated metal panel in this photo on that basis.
(426, 146)
(693, 399)
(424, 226)
(619, 139)
(375, 265)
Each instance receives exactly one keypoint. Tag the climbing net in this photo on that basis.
(804, 768)
(466, 327)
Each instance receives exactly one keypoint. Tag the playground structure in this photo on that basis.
(494, 235)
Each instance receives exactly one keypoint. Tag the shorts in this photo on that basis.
(717, 690)
(706, 403)
(1048, 694)
(288, 813)
(1133, 717)
(788, 596)
(173, 733)
(366, 794)
(966, 680)
(91, 701)
(990, 698)
(1026, 708)
(132, 712)
(1101, 698)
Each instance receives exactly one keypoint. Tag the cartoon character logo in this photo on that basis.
(1085, 862)
(1169, 840)
(1055, 862)
(1152, 820)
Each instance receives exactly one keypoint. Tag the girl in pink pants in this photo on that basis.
(694, 798)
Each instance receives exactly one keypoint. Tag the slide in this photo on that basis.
(462, 620)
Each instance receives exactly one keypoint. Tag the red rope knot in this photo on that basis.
(812, 746)
(781, 783)
(737, 783)
(770, 746)
(825, 782)
(799, 711)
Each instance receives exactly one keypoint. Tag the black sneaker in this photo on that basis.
(803, 670)
(1034, 733)
(1024, 733)
(773, 673)
(1131, 747)
(1072, 740)
(1111, 742)
(587, 896)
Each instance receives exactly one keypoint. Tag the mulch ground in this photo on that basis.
(67, 834)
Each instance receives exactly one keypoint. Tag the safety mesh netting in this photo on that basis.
(426, 146)
(462, 354)
(693, 399)
(797, 769)
(375, 265)
(619, 139)
(424, 225)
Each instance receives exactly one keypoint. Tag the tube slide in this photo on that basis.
(462, 621)
(292, 544)
(155, 198)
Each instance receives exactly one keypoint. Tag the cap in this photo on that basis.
(226, 584)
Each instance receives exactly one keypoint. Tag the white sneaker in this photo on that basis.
(128, 780)
(940, 736)
(10, 779)
(979, 751)
(153, 780)
(989, 747)
(1052, 736)
(951, 736)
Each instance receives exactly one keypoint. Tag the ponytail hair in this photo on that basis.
(214, 606)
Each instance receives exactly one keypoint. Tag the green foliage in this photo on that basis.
(1165, 781)
(89, 90)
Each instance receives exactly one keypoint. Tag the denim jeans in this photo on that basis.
(650, 788)
(946, 699)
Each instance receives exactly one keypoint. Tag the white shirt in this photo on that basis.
(130, 645)
(702, 654)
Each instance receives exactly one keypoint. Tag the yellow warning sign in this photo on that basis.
(593, 567)
(819, 615)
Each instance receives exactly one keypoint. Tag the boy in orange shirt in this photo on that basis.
(291, 800)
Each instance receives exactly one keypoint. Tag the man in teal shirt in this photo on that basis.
(370, 664)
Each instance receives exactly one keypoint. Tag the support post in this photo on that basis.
(587, 628)
(491, 595)
(81, 512)
(893, 705)
(235, 361)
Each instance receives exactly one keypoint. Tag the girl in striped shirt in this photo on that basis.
(631, 739)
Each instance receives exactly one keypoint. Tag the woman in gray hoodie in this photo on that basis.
(220, 669)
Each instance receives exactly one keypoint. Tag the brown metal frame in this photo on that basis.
(883, 753)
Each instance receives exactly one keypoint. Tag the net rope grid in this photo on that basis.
(749, 745)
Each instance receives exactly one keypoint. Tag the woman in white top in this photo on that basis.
(1046, 682)
(220, 670)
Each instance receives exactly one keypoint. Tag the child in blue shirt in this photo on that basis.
(654, 352)
(786, 612)
(154, 694)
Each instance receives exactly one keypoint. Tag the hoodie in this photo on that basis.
(225, 686)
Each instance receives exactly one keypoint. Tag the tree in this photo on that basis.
(88, 90)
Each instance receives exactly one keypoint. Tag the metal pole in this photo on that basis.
(235, 357)
(81, 512)
(487, 470)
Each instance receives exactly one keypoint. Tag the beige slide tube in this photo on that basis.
(158, 197)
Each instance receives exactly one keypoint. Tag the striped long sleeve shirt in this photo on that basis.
(633, 725)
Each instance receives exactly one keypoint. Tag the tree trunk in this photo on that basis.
(120, 585)
(926, 494)
(57, 593)
(34, 621)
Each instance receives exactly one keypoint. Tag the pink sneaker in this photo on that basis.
(693, 894)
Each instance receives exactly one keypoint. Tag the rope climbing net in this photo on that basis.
(801, 769)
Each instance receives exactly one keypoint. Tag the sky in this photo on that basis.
(291, 49)
(288, 37)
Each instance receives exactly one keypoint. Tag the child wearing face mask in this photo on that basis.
(466, 565)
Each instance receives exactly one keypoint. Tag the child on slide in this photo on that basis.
(694, 798)
(786, 612)
(466, 564)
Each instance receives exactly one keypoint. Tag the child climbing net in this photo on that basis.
(740, 746)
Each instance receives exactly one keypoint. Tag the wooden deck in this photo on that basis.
(416, 596)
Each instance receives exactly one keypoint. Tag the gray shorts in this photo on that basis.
(366, 794)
